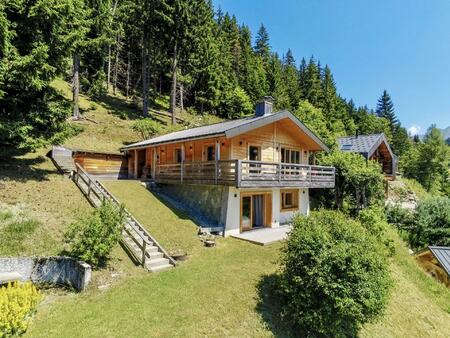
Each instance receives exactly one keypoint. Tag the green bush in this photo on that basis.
(335, 275)
(92, 238)
(17, 303)
(401, 218)
(146, 128)
(432, 223)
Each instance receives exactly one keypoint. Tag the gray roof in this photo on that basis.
(363, 144)
(228, 129)
(442, 254)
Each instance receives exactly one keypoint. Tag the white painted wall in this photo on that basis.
(232, 223)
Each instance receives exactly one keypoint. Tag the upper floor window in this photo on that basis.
(210, 153)
(290, 156)
(178, 155)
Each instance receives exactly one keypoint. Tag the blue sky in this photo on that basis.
(402, 46)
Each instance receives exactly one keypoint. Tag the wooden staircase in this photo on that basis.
(62, 157)
(135, 238)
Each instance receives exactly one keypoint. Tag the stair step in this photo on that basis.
(154, 255)
(157, 262)
(160, 268)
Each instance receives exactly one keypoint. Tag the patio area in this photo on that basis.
(265, 236)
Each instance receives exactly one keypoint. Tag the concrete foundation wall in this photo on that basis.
(207, 203)
(49, 270)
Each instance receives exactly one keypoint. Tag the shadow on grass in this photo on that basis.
(177, 209)
(120, 108)
(23, 169)
(269, 306)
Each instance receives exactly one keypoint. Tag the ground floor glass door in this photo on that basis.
(256, 210)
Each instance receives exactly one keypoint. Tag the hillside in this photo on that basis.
(419, 306)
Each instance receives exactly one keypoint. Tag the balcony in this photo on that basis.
(243, 174)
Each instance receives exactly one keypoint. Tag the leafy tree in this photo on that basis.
(433, 162)
(335, 275)
(238, 104)
(432, 223)
(358, 182)
(315, 120)
(146, 128)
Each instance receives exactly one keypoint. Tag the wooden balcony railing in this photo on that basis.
(240, 173)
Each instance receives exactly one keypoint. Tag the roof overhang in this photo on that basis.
(272, 119)
(375, 146)
(235, 131)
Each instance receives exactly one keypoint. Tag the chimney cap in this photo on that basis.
(266, 98)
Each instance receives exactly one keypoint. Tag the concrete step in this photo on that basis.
(152, 263)
(154, 255)
(160, 268)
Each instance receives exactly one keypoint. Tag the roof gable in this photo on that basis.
(228, 129)
(364, 144)
(442, 254)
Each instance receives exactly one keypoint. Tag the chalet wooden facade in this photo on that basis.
(435, 260)
(266, 163)
(373, 147)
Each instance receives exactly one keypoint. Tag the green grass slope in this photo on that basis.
(217, 292)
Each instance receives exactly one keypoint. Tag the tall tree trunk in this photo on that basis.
(108, 80)
(116, 65)
(181, 98)
(144, 81)
(76, 86)
(128, 75)
(173, 94)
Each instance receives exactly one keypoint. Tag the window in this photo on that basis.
(210, 153)
(290, 156)
(289, 199)
(178, 155)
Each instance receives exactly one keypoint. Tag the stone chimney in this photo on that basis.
(264, 106)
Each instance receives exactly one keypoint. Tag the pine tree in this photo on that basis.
(329, 96)
(277, 86)
(262, 47)
(311, 87)
(291, 78)
(385, 109)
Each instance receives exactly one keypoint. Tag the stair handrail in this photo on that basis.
(139, 225)
(106, 194)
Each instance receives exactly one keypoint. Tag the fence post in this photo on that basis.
(216, 171)
(279, 172)
(89, 188)
(144, 249)
(238, 172)
(182, 171)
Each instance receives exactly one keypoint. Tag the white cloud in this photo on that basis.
(414, 130)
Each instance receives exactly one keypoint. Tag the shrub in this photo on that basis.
(358, 182)
(432, 223)
(146, 128)
(17, 303)
(401, 218)
(335, 275)
(92, 238)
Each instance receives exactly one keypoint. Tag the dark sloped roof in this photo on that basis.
(442, 254)
(227, 128)
(363, 144)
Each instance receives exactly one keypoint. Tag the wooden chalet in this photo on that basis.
(242, 174)
(436, 262)
(372, 147)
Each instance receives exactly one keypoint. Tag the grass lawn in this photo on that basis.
(213, 293)
(219, 292)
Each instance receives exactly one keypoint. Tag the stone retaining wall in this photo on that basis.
(56, 270)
